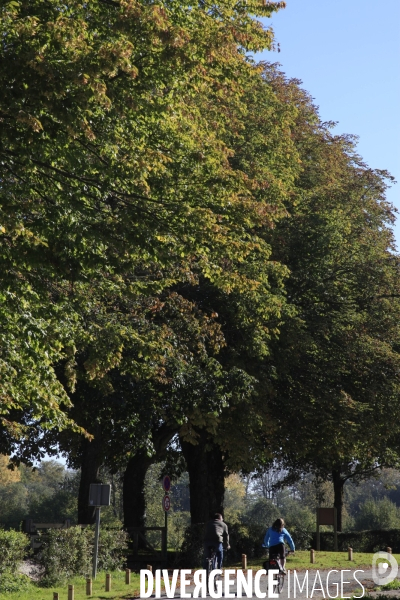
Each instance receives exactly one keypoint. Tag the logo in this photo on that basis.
(384, 568)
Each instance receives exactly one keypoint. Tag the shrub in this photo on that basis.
(113, 547)
(65, 553)
(14, 545)
(193, 546)
(13, 582)
(377, 514)
(69, 552)
(362, 541)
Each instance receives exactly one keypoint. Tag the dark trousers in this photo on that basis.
(219, 553)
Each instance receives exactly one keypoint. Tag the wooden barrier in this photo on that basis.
(350, 551)
(56, 596)
(108, 582)
(71, 594)
(389, 550)
(312, 556)
(127, 576)
(244, 561)
(89, 587)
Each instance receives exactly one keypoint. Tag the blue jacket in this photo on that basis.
(273, 537)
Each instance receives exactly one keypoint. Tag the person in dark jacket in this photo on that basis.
(216, 535)
(275, 539)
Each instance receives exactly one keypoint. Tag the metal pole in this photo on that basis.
(166, 535)
(96, 542)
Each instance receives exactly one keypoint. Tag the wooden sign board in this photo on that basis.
(326, 516)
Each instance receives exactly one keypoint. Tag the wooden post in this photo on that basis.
(335, 542)
(108, 582)
(244, 561)
(89, 587)
(389, 550)
(312, 556)
(350, 551)
(127, 576)
(56, 596)
(149, 568)
(318, 533)
(70, 592)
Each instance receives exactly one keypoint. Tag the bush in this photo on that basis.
(193, 546)
(14, 545)
(69, 552)
(362, 541)
(377, 514)
(13, 582)
(65, 553)
(113, 547)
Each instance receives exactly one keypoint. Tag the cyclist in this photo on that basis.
(275, 539)
(216, 534)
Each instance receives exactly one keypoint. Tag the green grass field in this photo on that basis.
(323, 560)
(119, 589)
(299, 561)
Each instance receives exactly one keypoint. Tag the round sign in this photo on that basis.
(166, 483)
(166, 503)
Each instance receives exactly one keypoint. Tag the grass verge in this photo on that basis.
(119, 589)
(323, 560)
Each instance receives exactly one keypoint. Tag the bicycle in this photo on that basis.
(273, 562)
(211, 564)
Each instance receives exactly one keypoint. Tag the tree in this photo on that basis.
(114, 174)
(336, 365)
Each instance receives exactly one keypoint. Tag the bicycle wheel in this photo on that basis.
(279, 586)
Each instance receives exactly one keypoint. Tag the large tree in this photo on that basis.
(336, 365)
(114, 165)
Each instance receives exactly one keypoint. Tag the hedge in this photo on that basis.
(371, 540)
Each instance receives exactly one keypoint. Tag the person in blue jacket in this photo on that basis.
(275, 539)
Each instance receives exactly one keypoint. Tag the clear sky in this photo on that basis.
(347, 53)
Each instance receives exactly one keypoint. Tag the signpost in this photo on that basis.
(166, 503)
(327, 516)
(166, 483)
(99, 495)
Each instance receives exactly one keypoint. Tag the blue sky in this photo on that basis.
(347, 53)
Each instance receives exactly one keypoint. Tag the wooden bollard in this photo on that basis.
(312, 556)
(108, 582)
(56, 596)
(71, 594)
(389, 550)
(89, 587)
(244, 561)
(127, 576)
(350, 551)
(149, 568)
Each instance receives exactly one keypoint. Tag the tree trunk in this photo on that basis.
(133, 489)
(134, 503)
(206, 479)
(91, 462)
(338, 488)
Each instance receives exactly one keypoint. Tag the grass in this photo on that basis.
(393, 585)
(300, 561)
(323, 560)
(119, 589)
